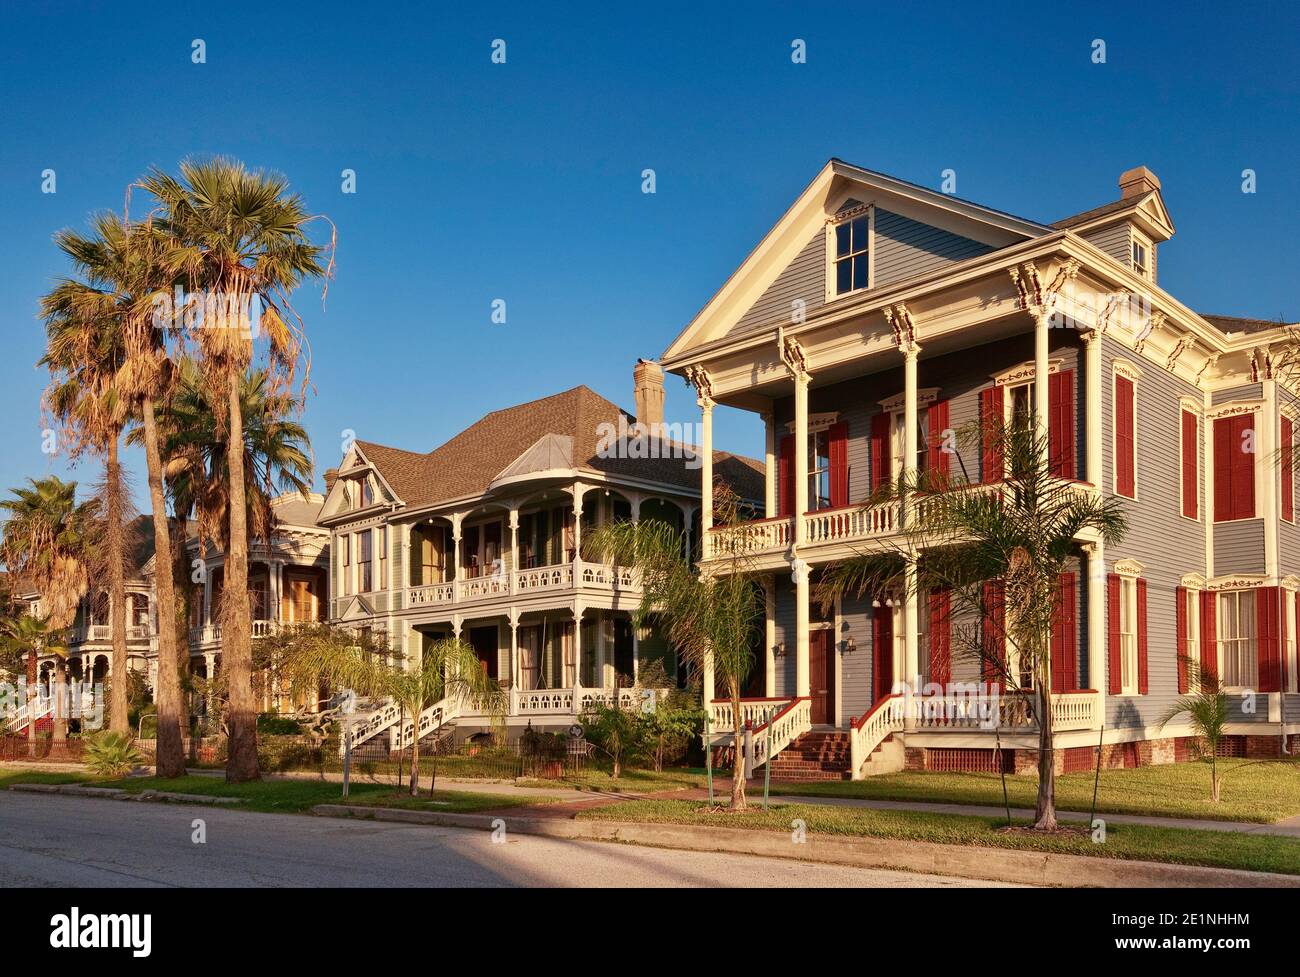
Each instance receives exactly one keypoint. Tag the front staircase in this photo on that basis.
(816, 755)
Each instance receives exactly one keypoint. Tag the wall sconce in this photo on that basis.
(778, 649)
(849, 645)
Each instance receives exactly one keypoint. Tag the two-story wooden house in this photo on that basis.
(481, 538)
(878, 315)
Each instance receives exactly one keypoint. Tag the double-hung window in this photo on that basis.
(1128, 636)
(365, 550)
(1238, 638)
(819, 470)
(851, 254)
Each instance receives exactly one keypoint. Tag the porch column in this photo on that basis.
(769, 464)
(273, 582)
(911, 422)
(1092, 406)
(802, 599)
(769, 636)
(802, 685)
(911, 626)
(635, 502)
(1042, 324)
(636, 649)
(1095, 554)
(577, 647)
(514, 551)
(207, 596)
(455, 555)
(706, 472)
(514, 648)
(578, 490)
(1267, 437)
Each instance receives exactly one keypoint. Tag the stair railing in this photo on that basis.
(773, 736)
(869, 730)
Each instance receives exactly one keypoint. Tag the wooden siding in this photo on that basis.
(1239, 546)
(906, 247)
(1167, 544)
(804, 278)
(1116, 240)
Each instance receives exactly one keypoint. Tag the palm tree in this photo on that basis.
(712, 619)
(1021, 533)
(448, 669)
(124, 277)
(32, 636)
(85, 352)
(45, 544)
(1207, 713)
(238, 238)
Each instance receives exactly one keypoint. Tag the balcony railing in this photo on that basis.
(211, 633)
(561, 576)
(104, 632)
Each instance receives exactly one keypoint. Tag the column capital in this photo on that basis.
(911, 352)
(699, 378)
(794, 357)
(1087, 336)
(900, 321)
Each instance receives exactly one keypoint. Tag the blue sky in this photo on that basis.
(522, 181)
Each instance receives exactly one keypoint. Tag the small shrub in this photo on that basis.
(269, 724)
(111, 755)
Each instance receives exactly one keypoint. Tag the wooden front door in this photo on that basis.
(883, 641)
(484, 642)
(821, 675)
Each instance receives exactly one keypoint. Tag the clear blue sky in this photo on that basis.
(521, 181)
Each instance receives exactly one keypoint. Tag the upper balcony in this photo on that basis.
(573, 576)
(103, 633)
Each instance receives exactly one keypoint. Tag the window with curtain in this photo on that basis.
(1238, 639)
(365, 580)
(1128, 635)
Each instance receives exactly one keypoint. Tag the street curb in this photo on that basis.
(116, 794)
(992, 864)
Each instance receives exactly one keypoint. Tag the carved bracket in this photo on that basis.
(699, 378)
(900, 321)
(794, 357)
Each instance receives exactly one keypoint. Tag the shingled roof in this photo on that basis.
(1090, 215)
(1229, 323)
(467, 464)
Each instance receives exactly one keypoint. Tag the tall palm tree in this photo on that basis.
(45, 544)
(85, 352)
(124, 277)
(32, 636)
(239, 239)
(710, 618)
(1019, 536)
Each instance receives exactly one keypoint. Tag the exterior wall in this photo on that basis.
(1239, 546)
(1116, 240)
(906, 247)
(804, 278)
(1288, 532)
(1167, 544)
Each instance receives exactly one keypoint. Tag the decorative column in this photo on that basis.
(577, 649)
(911, 435)
(792, 353)
(514, 648)
(207, 599)
(578, 490)
(1042, 324)
(1096, 569)
(769, 464)
(514, 554)
(1092, 418)
(1267, 436)
(455, 555)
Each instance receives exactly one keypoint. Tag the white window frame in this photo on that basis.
(1192, 614)
(1128, 649)
(1145, 269)
(834, 221)
(345, 544)
(1282, 468)
(1289, 639)
(814, 472)
(1243, 644)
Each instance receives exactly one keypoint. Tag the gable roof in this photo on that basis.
(564, 426)
(1237, 324)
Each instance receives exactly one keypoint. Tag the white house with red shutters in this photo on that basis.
(876, 317)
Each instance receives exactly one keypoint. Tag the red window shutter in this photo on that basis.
(1180, 635)
(837, 439)
(785, 477)
(1115, 685)
(1142, 636)
(1242, 469)
(1124, 448)
(882, 641)
(939, 461)
(1209, 636)
(1190, 482)
(994, 636)
(1288, 469)
(1222, 463)
(880, 458)
(1267, 618)
(991, 427)
(940, 636)
(1065, 638)
(1060, 425)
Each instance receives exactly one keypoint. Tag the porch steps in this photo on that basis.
(816, 755)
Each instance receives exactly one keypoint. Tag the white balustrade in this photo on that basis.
(748, 538)
(851, 523)
(429, 594)
(869, 731)
(770, 738)
(753, 712)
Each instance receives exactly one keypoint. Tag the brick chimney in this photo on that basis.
(1137, 181)
(648, 391)
(331, 476)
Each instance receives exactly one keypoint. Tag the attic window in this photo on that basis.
(1141, 259)
(851, 243)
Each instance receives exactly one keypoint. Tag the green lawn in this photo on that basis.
(632, 781)
(284, 796)
(1220, 849)
(1259, 792)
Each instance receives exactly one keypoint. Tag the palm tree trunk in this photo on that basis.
(236, 629)
(1045, 807)
(415, 756)
(118, 720)
(170, 747)
(738, 774)
(60, 713)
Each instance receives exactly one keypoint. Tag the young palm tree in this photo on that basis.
(239, 239)
(45, 544)
(448, 668)
(1021, 533)
(710, 618)
(1207, 713)
(123, 279)
(32, 636)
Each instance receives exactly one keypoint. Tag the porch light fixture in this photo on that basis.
(849, 645)
(778, 649)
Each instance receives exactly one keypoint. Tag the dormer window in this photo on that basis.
(851, 253)
(1142, 258)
